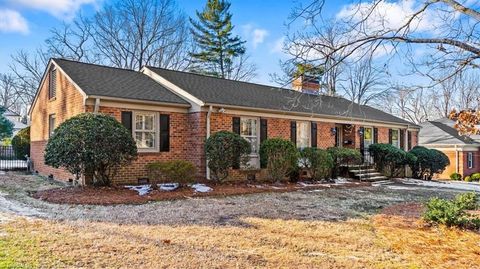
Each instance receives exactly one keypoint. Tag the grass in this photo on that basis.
(379, 242)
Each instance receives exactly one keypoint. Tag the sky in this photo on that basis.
(25, 24)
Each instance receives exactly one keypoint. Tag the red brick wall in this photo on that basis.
(67, 103)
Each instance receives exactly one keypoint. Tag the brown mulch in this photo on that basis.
(120, 195)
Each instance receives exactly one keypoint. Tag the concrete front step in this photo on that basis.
(373, 174)
(377, 178)
(357, 171)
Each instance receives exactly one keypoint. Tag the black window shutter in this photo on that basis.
(263, 130)
(402, 139)
(127, 120)
(362, 141)
(389, 136)
(164, 132)
(313, 137)
(337, 136)
(375, 135)
(409, 138)
(236, 125)
(293, 132)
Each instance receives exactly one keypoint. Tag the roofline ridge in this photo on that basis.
(99, 65)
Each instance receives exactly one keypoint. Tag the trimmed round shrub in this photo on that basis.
(475, 176)
(456, 176)
(317, 162)
(389, 157)
(280, 157)
(177, 171)
(225, 150)
(429, 162)
(21, 143)
(343, 156)
(468, 179)
(93, 145)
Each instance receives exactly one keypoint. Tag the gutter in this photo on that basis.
(209, 113)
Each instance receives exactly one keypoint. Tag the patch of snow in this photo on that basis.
(168, 186)
(399, 187)
(201, 188)
(341, 180)
(466, 186)
(141, 189)
(309, 184)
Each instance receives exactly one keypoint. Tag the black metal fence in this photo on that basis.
(10, 161)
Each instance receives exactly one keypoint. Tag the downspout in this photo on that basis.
(456, 160)
(97, 105)
(208, 135)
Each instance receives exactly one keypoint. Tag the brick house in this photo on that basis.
(171, 113)
(462, 151)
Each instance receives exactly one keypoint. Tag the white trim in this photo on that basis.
(194, 101)
(452, 147)
(138, 104)
(266, 113)
(45, 73)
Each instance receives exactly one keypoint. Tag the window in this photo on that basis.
(145, 130)
(52, 84)
(303, 134)
(395, 138)
(248, 130)
(470, 159)
(51, 124)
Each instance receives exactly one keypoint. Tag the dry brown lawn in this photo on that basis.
(379, 242)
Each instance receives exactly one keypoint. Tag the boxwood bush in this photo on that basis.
(343, 156)
(475, 176)
(21, 143)
(176, 171)
(455, 176)
(280, 157)
(317, 162)
(453, 212)
(389, 157)
(93, 145)
(225, 150)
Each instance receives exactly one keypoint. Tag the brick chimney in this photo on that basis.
(306, 84)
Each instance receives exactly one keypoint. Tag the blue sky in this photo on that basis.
(25, 24)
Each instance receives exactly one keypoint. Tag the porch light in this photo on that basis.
(360, 131)
(333, 131)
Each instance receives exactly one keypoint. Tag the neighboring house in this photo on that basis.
(171, 113)
(462, 151)
(16, 119)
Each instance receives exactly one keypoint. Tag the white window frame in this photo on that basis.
(156, 130)
(309, 133)
(51, 127)
(470, 160)
(398, 138)
(257, 136)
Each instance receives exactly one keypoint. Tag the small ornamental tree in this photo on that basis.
(21, 143)
(93, 145)
(279, 156)
(429, 162)
(225, 150)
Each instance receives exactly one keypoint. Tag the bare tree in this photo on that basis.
(364, 82)
(449, 27)
(9, 99)
(135, 33)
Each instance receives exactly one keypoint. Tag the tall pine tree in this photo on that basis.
(218, 52)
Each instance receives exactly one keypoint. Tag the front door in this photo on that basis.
(367, 141)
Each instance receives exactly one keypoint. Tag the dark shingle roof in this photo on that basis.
(442, 132)
(115, 82)
(236, 93)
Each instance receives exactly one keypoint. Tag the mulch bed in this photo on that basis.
(120, 195)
